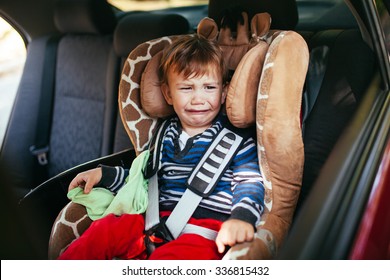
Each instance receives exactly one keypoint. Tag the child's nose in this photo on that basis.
(197, 97)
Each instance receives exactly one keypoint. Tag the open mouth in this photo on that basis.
(192, 111)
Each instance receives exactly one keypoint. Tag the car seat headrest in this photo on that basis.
(244, 52)
(284, 13)
(235, 44)
(84, 16)
(135, 29)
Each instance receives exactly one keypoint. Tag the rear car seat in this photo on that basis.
(85, 81)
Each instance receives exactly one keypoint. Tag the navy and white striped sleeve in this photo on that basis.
(247, 185)
(113, 178)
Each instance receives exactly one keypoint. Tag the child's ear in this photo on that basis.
(167, 94)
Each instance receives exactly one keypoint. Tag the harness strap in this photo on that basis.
(204, 178)
(202, 231)
(152, 216)
(214, 162)
(201, 182)
(182, 212)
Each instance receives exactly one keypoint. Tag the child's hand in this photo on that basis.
(86, 180)
(232, 232)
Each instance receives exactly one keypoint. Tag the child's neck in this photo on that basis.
(194, 131)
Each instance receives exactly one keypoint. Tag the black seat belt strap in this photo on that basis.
(40, 148)
(315, 76)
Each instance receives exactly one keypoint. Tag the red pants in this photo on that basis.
(123, 237)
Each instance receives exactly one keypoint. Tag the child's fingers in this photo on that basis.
(87, 180)
(220, 244)
(250, 234)
(77, 181)
(89, 185)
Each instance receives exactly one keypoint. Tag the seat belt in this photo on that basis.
(201, 182)
(204, 178)
(40, 148)
(315, 75)
(152, 216)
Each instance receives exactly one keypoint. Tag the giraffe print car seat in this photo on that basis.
(265, 93)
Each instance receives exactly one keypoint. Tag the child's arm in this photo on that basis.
(86, 180)
(232, 232)
(247, 185)
(111, 178)
(248, 198)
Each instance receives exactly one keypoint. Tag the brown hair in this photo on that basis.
(192, 54)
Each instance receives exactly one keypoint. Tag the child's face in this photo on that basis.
(196, 99)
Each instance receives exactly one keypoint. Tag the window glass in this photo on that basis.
(324, 14)
(145, 5)
(385, 20)
(12, 59)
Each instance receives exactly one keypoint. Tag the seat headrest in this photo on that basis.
(284, 13)
(84, 16)
(134, 29)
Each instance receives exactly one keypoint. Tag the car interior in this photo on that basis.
(72, 77)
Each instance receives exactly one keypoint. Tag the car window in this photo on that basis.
(385, 20)
(313, 14)
(12, 59)
(146, 5)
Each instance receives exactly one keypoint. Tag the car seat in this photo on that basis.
(265, 93)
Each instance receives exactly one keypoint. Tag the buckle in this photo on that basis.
(157, 236)
(41, 154)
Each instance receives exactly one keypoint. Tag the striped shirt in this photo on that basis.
(239, 193)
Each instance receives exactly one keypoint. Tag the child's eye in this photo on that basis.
(185, 88)
(210, 87)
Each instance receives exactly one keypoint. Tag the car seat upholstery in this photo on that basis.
(84, 85)
(85, 80)
(281, 60)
